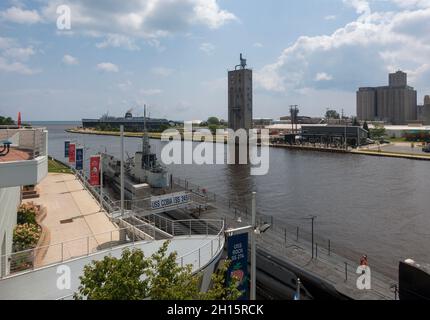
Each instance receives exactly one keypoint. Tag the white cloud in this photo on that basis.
(207, 47)
(360, 53)
(322, 76)
(22, 16)
(151, 92)
(70, 60)
(118, 41)
(330, 17)
(162, 71)
(15, 67)
(119, 22)
(258, 45)
(12, 56)
(107, 67)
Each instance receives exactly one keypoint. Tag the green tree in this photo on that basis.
(213, 121)
(6, 121)
(332, 114)
(378, 133)
(365, 126)
(115, 279)
(219, 289)
(159, 277)
(168, 280)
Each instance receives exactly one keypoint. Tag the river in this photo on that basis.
(364, 205)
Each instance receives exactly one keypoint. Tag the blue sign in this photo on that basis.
(237, 247)
(66, 149)
(79, 158)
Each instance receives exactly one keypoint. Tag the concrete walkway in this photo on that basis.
(76, 224)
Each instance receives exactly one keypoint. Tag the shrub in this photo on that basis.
(27, 214)
(25, 236)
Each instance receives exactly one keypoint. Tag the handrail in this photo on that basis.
(109, 235)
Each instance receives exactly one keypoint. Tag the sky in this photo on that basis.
(173, 55)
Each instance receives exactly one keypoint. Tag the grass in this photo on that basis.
(57, 167)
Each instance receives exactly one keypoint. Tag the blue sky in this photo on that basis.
(174, 55)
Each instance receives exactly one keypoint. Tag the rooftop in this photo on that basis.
(16, 154)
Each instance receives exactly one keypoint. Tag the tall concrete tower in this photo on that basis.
(240, 97)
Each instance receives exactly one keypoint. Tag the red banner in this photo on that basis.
(72, 153)
(95, 170)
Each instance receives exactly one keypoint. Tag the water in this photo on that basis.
(377, 206)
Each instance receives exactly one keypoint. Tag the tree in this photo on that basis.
(355, 122)
(332, 114)
(6, 121)
(219, 290)
(213, 121)
(378, 133)
(159, 277)
(115, 279)
(365, 126)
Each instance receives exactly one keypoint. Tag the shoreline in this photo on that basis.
(372, 153)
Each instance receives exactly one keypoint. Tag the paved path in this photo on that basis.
(73, 218)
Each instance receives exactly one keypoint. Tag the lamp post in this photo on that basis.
(254, 230)
(313, 219)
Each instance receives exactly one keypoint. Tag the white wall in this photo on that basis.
(10, 199)
(23, 173)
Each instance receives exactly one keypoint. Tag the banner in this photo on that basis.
(79, 159)
(95, 170)
(169, 200)
(66, 149)
(72, 153)
(237, 248)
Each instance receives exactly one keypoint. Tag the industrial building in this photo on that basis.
(324, 134)
(424, 112)
(131, 124)
(240, 97)
(394, 104)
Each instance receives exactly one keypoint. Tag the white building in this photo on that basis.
(26, 163)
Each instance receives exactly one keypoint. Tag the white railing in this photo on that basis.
(39, 257)
(31, 139)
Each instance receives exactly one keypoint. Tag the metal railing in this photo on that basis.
(39, 257)
(30, 139)
(283, 236)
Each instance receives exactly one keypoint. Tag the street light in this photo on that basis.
(254, 230)
(312, 218)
